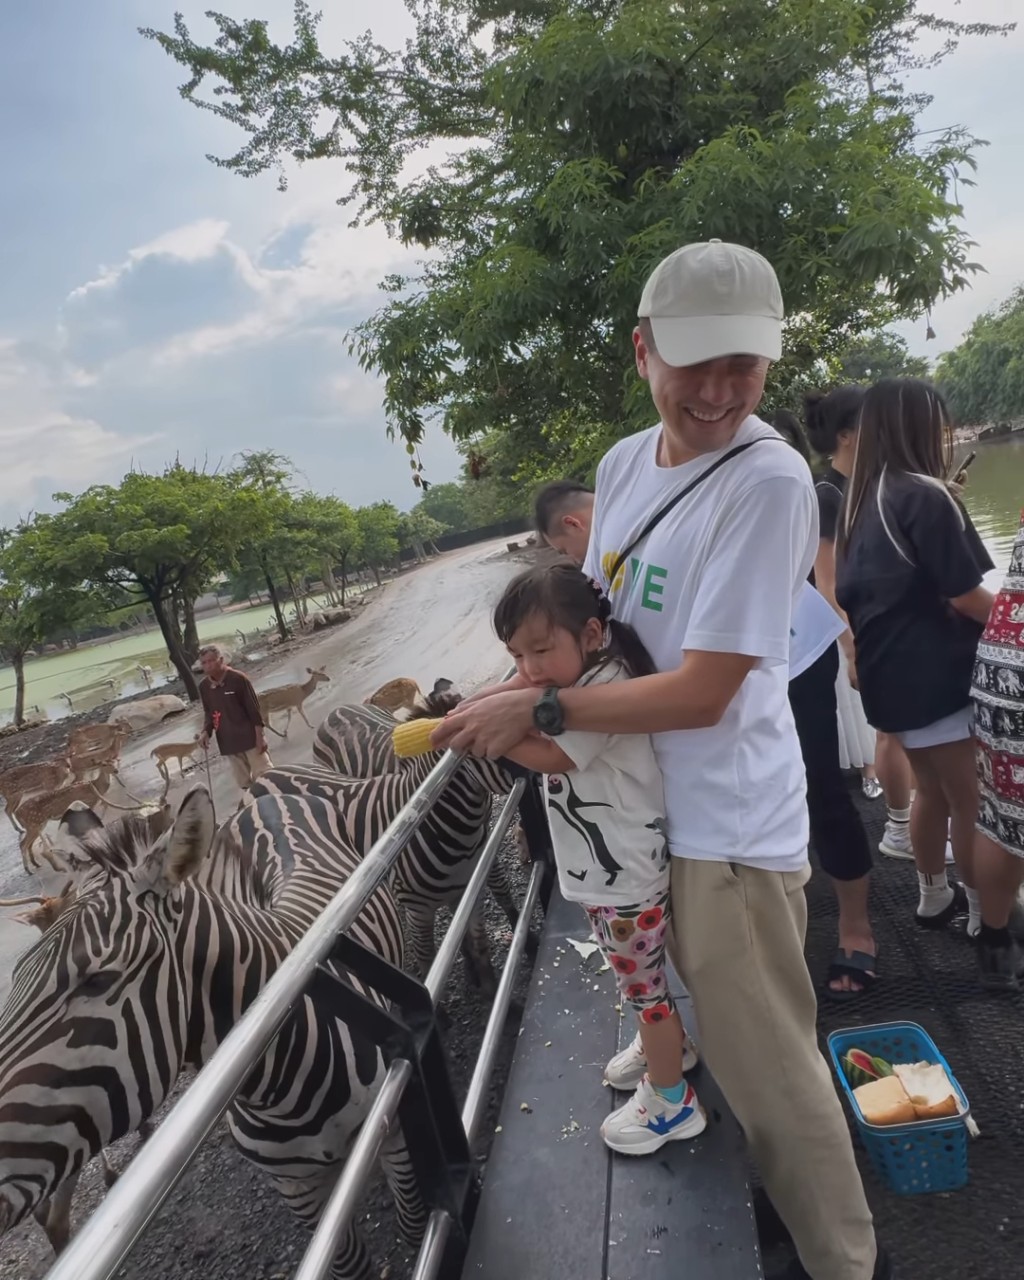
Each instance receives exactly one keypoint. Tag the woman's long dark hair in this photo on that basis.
(905, 429)
(787, 424)
(564, 597)
(828, 414)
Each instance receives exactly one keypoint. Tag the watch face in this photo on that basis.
(547, 714)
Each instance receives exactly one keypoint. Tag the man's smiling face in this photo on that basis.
(701, 405)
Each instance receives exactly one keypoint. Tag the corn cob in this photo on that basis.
(412, 737)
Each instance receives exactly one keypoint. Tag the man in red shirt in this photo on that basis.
(232, 713)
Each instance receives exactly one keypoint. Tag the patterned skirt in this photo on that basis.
(998, 693)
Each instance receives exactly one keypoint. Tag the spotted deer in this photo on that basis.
(290, 697)
(31, 779)
(36, 811)
(165, 752)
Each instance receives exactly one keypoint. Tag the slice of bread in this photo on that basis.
(885, 1101)
(929, 1090)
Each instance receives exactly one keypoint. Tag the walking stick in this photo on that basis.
(209, 782)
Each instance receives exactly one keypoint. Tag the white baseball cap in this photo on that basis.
(713, 299)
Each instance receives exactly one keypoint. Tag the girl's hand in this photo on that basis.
(851, 671)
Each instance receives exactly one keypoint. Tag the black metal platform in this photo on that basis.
(555, 1201)
(976, 1233)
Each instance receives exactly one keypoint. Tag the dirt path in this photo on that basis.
(429, 623)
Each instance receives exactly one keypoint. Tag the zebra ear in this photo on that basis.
(78, 821)
(179, 855)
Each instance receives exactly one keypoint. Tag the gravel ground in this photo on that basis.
(225, 1222)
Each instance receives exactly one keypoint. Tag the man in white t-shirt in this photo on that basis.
(711, 591)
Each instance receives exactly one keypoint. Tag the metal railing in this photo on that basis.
(109, 1234)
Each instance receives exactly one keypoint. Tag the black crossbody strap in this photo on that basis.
(675, 500)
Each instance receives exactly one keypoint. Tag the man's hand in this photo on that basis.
(261, 741)
(203, 740)
(490, 727)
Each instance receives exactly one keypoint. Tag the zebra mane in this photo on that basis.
(435, 705)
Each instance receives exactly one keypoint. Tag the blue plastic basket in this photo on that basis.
(929, 1155)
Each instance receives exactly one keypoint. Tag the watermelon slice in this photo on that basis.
(861, 1068)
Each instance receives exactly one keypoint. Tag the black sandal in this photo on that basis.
(859, 967)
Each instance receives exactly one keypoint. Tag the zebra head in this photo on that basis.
(94, 1030)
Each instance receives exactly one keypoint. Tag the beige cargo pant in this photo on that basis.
(738, 946)
(248, 765)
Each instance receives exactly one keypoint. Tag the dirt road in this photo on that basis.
(431, 622)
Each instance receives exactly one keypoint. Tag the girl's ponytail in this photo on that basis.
(624, 643)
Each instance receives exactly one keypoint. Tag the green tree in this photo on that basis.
(588, 138)
(266, 476)
(983, 378)
(447, 504)
(879, 355)
(418, 531)
(378, 529)
(28, 613)
(150, 537)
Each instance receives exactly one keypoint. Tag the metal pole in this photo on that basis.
(439, 1226)
(209, 781)
(449, 948)
(337, 1212)
(475, 1095)
(107, 1236)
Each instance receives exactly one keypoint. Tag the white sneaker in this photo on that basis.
(648, 1121)
(895, 842)
(628, 1068)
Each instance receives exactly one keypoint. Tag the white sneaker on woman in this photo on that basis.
(628, 1068)
(895, 842)
(648, 1121)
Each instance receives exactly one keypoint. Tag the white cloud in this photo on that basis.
(45, 448)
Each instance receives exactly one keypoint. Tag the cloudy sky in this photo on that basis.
(152, 304)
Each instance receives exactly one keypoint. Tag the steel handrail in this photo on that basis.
(439, 1225)
(107, 1236)
(344, 1198)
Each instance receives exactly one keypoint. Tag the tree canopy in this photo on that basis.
(586, 139)
(879, 355)
(983, 378)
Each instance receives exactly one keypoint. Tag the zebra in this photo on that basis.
(148, 969)
(435, 865)
(356, 740)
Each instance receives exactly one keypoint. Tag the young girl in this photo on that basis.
(909, 568)
(606, 807)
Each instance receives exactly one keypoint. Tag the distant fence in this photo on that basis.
(453, 541)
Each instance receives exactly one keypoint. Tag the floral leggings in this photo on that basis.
(632, 939)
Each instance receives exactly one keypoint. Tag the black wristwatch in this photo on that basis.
(547, 713)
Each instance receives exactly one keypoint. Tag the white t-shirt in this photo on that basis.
(607, 816)
(721, 572)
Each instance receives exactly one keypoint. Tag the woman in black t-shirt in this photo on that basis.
(833, 421)
(909, 568)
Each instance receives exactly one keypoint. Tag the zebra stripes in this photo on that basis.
(163, 949)
(437, 862)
